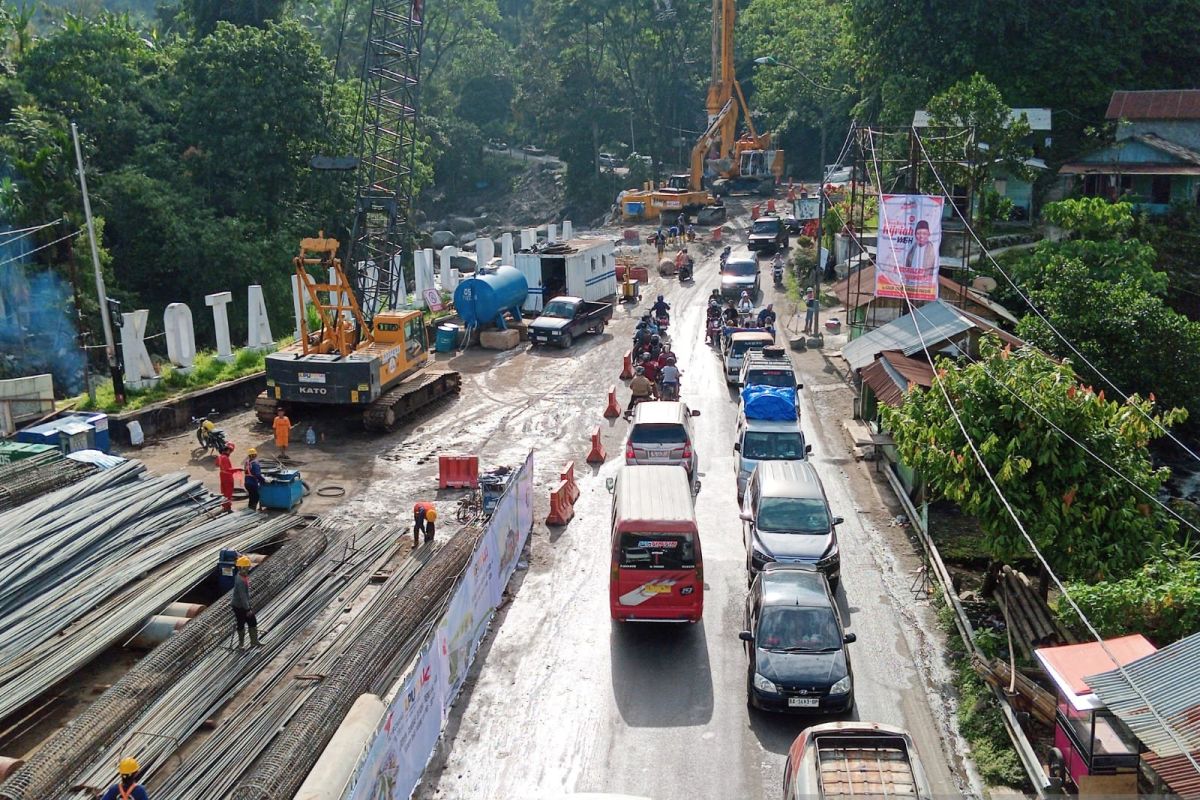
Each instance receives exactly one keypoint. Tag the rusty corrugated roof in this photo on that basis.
(1154, 105)
(893, 373)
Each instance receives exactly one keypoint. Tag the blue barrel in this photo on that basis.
(483, 299)
(447, 338)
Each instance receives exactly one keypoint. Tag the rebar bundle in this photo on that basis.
(284, 765)
(32, 477)
(52, 766)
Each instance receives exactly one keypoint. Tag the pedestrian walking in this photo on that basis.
(660, 243)
(243, 610)
(126, 787)
(252, 478)
(810, 313)
(226, 469)
(424, 519)
(283, 431)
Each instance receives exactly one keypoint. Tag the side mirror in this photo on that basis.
(746, 517)
(849, 638)
(746, 636)
(737, 447)
(695, 412)
(808, 448)
(799, 386)
(838, 520)
(610, 484)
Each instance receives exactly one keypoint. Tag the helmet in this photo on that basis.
(655, 339)
(229, 447)
(660, 297)
(430, 514)
(640, 370)
(243, 561)
(208, 425)
(671, 360)
(252, 452)
(128, 766)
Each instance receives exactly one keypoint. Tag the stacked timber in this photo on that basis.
(1026, 614)
(1023, 692)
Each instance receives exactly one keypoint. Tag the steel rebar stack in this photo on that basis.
(33, 477)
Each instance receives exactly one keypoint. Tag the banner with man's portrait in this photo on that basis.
(910, 237)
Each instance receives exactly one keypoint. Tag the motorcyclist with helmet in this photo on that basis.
(670, 380)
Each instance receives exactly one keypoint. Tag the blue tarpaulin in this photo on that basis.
(769, 402)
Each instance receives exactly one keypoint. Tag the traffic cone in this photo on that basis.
(614, 410)
(597, 455)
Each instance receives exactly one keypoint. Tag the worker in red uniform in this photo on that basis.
(227, 470)
(126, 787)
(424, 517)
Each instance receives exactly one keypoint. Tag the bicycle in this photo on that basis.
(469, 507)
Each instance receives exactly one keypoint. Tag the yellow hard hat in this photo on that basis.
(128, 766)
(243, 561)
(430, 514)
(253, 451)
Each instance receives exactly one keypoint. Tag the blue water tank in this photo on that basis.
(483, 299)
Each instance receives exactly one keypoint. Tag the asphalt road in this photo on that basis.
(560, 699)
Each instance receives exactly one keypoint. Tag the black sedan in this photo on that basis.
(794, 638)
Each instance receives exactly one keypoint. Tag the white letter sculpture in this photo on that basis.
(181, 335)
(259, 337)
(139, 369)
(218, 302)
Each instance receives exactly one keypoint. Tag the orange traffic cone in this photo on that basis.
(627, 367)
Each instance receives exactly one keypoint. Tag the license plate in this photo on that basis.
(657, 588)
(804, 702)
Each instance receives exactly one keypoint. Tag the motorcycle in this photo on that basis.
(712, 331)
(685, 272)
(777, 273)
(669, 391)
(208, 436)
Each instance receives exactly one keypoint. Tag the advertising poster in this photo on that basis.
(910, 238)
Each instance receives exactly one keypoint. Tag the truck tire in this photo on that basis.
(567, 341)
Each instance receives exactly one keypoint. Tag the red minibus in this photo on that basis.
(657, 572)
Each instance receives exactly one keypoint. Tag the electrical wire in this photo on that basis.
(23, 232)
(1041, 316)
(28, 253)
(1166, 727)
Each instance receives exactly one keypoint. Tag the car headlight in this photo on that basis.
(830, 559)
(759, 559)
(764, 685)
(841, 687)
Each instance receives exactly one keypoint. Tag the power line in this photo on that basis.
(1008, 507)
(40, 247)
(25, 232)
(1038, 312)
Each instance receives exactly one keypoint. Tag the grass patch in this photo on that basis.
(207, 371)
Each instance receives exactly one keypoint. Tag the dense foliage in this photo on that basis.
(1085, 519)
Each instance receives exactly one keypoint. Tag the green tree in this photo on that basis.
(993, 140)
(206, 15)
(1132, 336)
(1086, 521)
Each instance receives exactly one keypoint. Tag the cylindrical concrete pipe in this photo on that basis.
(9, 765)
(187, 610)
(157, 630)
(334, 769)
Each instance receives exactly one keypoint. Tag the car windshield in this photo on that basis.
(772, 446)
(559, 309)
(749, 344)
(792, 515)
(740, 269)
(657, 551)
(771, 377)
(658, 434)
(770, 226)
(799, 629)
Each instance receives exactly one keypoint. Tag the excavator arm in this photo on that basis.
(707, 140)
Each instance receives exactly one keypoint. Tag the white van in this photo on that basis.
(766, 440)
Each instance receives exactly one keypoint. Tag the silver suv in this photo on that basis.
(786, 518)
(661, 433)
(766, 440)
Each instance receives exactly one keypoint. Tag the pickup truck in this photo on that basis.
(854, 759)
(767, 235)
(564, 318)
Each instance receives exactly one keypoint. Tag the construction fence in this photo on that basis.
(419, 708)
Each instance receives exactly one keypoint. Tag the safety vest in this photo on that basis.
(126, 795)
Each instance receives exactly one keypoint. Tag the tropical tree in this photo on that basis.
(1088, 522)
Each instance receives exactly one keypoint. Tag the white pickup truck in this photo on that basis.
(854, 759)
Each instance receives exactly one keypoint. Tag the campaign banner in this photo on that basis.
(806, 208)
(910, 237)
(410, 730)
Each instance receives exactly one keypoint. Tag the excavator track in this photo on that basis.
(410, 396)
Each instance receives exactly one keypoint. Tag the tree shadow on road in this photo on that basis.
(661, 675)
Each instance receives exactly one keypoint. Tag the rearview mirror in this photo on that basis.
(737, 447)
(799, 386)
(610, 484)
(850, 638)
(746, 636)
(838, 520)
(695, 412)
(808, 448)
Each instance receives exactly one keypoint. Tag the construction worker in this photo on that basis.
(227, 470)
(283, 430)
(424, 517)
(243, 611)
(252, 477)
(126, 787)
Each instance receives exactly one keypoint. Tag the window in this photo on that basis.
(799, 628)
(1160, 189)
(593, 263)
(766, 226)
(657, 434)
(766, 446)
(658, 551)
(771, 377)
(414, 338)
(793, 515)
(742, 269)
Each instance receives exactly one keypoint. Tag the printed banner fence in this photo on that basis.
(910, 238)
(410, 729)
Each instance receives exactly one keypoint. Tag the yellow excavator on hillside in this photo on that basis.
(731, 164)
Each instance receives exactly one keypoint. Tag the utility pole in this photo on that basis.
(820, 268)
(110, 347)
(81, 335)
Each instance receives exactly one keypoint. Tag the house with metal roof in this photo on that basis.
(1154, 161)
(1167, 681)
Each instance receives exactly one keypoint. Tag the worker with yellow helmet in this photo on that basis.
(127, 787)
(252, 478)
(424, 517)
(243, 610)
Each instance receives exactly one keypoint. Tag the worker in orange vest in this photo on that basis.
(282, 427)
(424, 517)
(126, 787)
